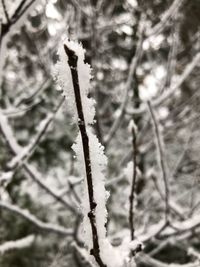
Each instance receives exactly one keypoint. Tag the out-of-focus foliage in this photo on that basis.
(110, 32)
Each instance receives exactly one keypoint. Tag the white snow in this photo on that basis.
(17, 244)
(63, 74)
(111, 256)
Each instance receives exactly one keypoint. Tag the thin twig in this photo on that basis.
(161, 162)
(170, 13)
(29, 170)
(171, 58)
(127, 86)
(72, 61)
(5, 11)
(132, 194)
(166, 95)
(30, 148)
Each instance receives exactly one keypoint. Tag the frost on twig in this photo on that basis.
(17, 244)
(89, 151)
(74, 79)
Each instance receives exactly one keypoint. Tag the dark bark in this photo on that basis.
(72, 60)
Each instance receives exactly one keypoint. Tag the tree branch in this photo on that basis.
(161, 159)
(47, 227)
(127, 86)
(29, 170)
(132, 193)
(72, 60)
(17, 244)
(5, 11)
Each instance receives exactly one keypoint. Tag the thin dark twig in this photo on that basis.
(72, 60)
(133, 66)
(161, 159)
(5, 11)
(18, 9)
(132, 194)
(19, 12)
(73, 190)
(30, 171)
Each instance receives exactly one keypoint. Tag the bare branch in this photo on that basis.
(132, 193)
(5, 11)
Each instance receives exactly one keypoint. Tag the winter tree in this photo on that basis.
(99, 133)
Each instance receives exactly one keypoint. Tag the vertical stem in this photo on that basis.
(72, 60)
(5, 11)
(132, 194)
(161, 160)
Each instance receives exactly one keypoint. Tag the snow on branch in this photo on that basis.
(161, 158)
(146, 259)
(74, 79)
(173, 88)
(132, 69)
(12, 22)
(17, 244)
(170, 13)
(79, 77)
(29, 170)
(47, 227)
(30, 148)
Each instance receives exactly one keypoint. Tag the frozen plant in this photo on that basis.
(74, 76)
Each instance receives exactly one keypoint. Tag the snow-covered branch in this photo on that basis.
(74, 78)
(46, 227)
(173, 88)
(28, 151)
(133, 185)
(122, 108)
(80, 99)
(29, 170)
(169, 14)
(17, 244)
(161, 158)
(146, 259)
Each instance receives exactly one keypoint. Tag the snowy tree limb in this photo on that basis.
(144, 258)
(127, 86)
(28, 151)
(17, 244)
(46, 227)
(72, 60)
(170, 13)
(161, 158)
(173, 88)
(29, 170)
